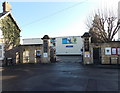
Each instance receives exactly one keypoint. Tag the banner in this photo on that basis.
(69, 40)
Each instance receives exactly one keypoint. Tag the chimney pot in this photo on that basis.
(6, 7)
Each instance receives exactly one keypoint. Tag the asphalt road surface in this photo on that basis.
(66, 75)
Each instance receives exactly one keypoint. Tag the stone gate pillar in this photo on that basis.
(46, 50)
(86, 48)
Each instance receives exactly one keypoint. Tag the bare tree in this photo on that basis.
(103, 26)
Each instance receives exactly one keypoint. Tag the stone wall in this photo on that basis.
(113, 58)
(11, 54)
(28, 53)
(17, 54)
(110, 58)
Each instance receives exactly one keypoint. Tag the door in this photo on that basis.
(97, 55)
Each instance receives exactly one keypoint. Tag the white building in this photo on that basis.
(70, 45)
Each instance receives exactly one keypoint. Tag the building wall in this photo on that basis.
(28, 53)
(32, 41)
(109, 58)
(112, 58)
(70, 48)
(28, 50)
(30, 46)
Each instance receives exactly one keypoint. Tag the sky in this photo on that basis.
(55, 17)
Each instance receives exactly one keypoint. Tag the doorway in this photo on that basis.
(97, 55)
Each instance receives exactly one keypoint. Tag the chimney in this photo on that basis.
(6, 7)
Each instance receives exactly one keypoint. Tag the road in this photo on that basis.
(66, 75)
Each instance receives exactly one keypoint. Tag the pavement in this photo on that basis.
(66, 75)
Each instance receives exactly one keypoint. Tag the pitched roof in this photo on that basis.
(86, 34)
(1, 14)
(4, 14)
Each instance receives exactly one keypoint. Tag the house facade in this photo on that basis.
(9, 31)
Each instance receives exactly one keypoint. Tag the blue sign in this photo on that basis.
(69, 46)
(81, 50)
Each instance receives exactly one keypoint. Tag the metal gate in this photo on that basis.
(97, 55)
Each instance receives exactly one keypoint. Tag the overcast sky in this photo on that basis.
(56, 17)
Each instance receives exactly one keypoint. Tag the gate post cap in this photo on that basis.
(86, 34)
(45, 37)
